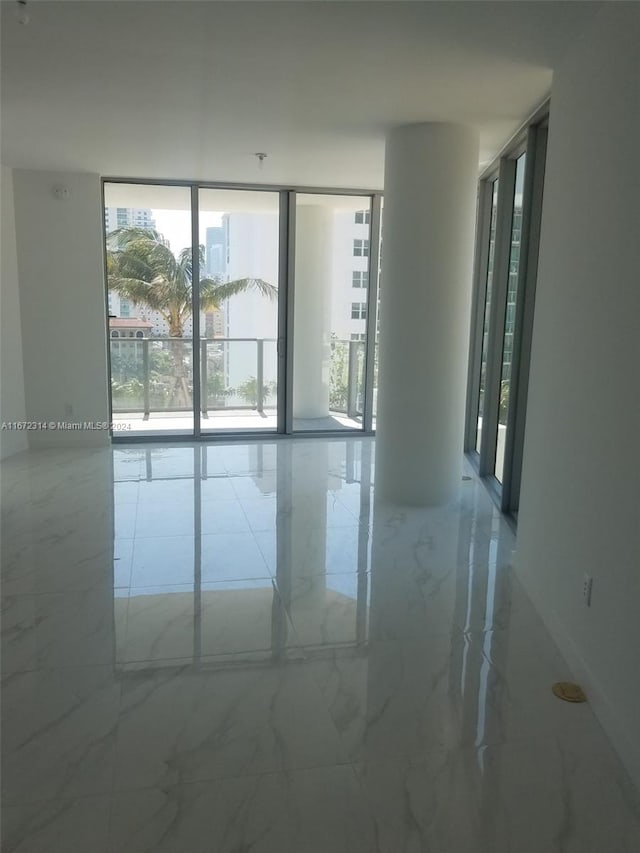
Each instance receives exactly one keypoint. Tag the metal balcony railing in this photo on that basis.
(156, 375)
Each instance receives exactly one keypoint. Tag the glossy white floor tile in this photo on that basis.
(238, 648)
(522, 797)
(321, 809)
(188, 725)
(58, 826)
(58, 734)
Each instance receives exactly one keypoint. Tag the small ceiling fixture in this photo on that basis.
(261, 158)
(22, 15)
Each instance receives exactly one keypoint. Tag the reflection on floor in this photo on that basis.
(237, 648)
(181, 423)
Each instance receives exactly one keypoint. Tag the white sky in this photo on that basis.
(175, 225)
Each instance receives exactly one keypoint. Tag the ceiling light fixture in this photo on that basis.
(261, 158)
(22, 15)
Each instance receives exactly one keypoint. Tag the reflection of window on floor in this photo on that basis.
(202, 614)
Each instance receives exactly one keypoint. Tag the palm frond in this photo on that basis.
(213, 293)
(139, 292)
(142, 268)
(142, 253)
(185, 257)
(121, 237)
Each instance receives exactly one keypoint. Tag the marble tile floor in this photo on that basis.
(238, 649)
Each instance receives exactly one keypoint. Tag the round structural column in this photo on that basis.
(311, 345)
(429, 212)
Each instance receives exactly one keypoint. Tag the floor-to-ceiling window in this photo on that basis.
(239, 230)
(279, 334)
(490, 249)
(330, 325)
(375, 308)
(508, 327)
(149, 299)
(508, 223)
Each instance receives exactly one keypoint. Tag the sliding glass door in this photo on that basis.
(332, 248)
(508, 226)
(149, 299)
(488, 278)
(275, 337)
(508, 325)
(239, 310)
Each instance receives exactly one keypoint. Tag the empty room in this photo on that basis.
(319, 402)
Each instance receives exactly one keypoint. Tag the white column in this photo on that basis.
(429, 211)
(311, 346)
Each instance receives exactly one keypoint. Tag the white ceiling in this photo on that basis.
(193, 89)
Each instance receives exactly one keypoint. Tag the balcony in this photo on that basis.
(152, 386)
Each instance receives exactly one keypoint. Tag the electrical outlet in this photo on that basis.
(587, 589)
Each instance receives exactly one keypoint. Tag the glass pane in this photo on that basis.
(510, 317)
(374, 402)
(487, 312)
(330, 314)
(148, 243)
(239, 310)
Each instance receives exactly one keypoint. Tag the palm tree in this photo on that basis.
(142, 268)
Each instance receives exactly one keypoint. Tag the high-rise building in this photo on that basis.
(128, 217)
(216, 249)
(119, 306)
(244, 246)
(216, 244)
(350, 275)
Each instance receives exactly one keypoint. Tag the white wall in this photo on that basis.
(580, 501)
(12, 405)
(60, 264)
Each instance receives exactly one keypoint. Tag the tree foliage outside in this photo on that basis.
(127, 374)
(338, 374)
(248, 391)
(504, 401)
(142, 268)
